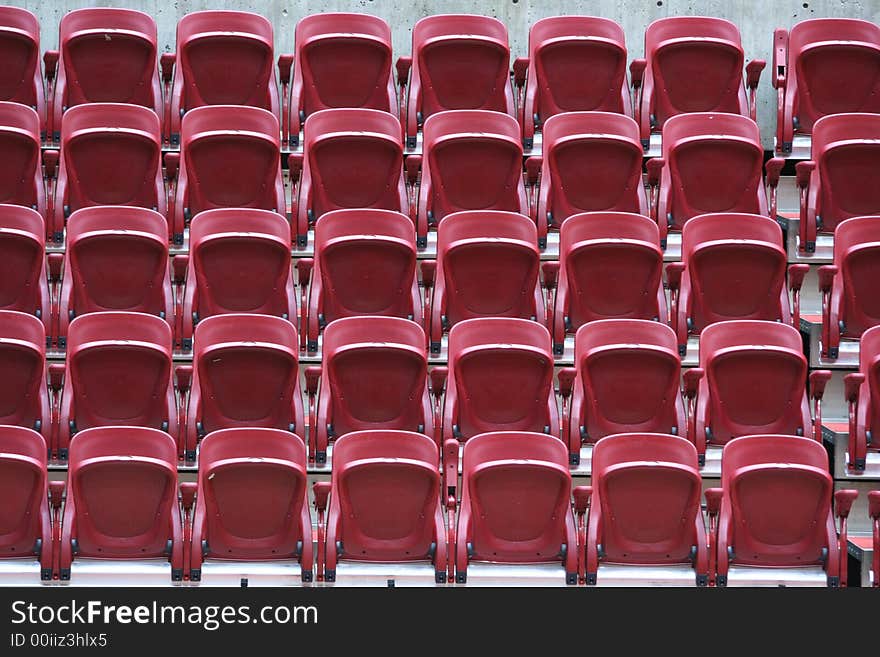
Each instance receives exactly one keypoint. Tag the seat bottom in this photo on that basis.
(360, 573)
(120, 573)
(20, 572)
(287, 572)
(753, 576)
(617, 575)
(502, 574)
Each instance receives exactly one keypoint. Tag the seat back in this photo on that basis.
(231, 156)
(24, 397)
(501, 376)
(117, 259)
(845, 148)
(735, 267)
(755, 379)
(342, 60)
(777, 493)
(869, 365)
(561, 48)
(108, 55)
(122, 493)
(857, 254)
(715, 165)
(111, 156)
(20, 78)
(460, 61)
(246, 374)
(648, 490)
(366, 260)
(628, 379)
(354, 159)
(834, 68)
(22, 262)
(487, 266)
(253, 494)
(385, 495)
(20, 170)
(611, 267)
(240, 260)
(24, 490)
(226, 58)
(592, 162)
(375, 374)
(695, 64)
(119, 371)
(473, 161)
(515, 493)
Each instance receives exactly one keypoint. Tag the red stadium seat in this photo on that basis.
(24, 389)
(627, 380)
(230, 157)
(116, 259)
(21, 173)
(25, 517)
(841, 180)
(645, 507)
(516, 504)
(223, 58)
(692, 64)
(862, 391)
(353, 159)
(239, 262)
(824, 66)
(592, 161)
(110, 155)
(562, 50)
(711, 163)
(472, 161)
(849, 302)
(23, 282)
(385, 504)
(610, 267)
(500, 379)
(373, 376)
(252, 501)
(118, 374)
(775, 509)
(732, 267)
(365, 264)
(245, 375)
(341, 60)
(122, 499)
(487, 266)
(106, 55)
(754, 382)
(459, 62)
(22, 81)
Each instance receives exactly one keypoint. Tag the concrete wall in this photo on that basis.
(756, 19)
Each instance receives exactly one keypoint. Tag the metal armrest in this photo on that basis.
(571, 438)
(582, 496)
(437, 377)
